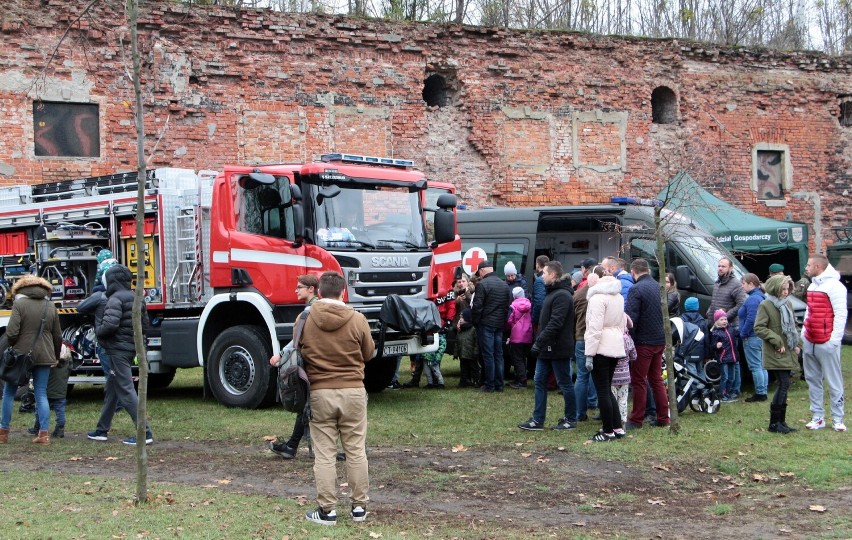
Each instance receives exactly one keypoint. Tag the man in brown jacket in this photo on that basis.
(336, 342)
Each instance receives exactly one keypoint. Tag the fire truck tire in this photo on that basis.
(378, 373)
(160, 380)
(238, 368)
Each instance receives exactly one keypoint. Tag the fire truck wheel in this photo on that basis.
(378, 373)
(238, 368)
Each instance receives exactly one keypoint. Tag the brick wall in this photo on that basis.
(531, 117)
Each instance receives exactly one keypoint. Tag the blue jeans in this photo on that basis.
(40, 376)
(491, 347)
(726, 383)
(561, 368)
(103, 358)
(584, 390)
(753, 347)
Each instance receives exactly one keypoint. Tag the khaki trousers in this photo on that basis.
(339, 412)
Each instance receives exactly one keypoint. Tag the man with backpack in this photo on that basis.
(336, 343)
(306, 291)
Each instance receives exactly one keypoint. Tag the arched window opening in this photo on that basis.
(663, 105)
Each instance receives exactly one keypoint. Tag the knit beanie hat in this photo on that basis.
(518, 292)
(510, 269)
(577, 276)
(467, 315)
(718, 314)
(691, 304)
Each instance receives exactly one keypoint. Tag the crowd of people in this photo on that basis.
(596, 335)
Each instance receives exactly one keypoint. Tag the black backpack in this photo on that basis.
(293, 385)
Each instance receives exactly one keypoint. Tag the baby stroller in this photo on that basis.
(694, 380)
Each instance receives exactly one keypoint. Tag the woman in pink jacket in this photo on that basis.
(520, 337)
(604, 346)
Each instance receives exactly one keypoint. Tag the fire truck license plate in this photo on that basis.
(396, 350)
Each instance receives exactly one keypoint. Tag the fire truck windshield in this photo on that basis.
(364, 216)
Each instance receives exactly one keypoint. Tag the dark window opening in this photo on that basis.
(663, 105)
(440, 89)
(66, 129)
(845, 117)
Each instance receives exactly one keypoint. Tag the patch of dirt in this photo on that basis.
(553, 491)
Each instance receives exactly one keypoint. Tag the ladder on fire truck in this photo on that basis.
(185, 284)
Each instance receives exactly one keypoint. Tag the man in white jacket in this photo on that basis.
(822, 334)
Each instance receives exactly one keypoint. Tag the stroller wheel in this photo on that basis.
(710, 403)
(695, 404)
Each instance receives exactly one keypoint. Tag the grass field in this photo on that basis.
(733, 442)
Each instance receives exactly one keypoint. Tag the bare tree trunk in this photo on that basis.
(667, 327)
(138, 337)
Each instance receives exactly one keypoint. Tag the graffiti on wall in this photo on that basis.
(770, 174)
(66, 129)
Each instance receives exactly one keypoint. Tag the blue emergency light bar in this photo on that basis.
(636, 201)
(367, 160)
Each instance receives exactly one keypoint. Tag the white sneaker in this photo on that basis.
(816, 423)
(839, 426)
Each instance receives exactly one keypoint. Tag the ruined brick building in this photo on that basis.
(509, 117)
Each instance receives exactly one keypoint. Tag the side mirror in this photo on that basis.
(256, 179)
(684, 277)
(446, 201)
(328, 192)
(299, 224)
(445, 226)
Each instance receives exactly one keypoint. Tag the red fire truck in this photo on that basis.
(222, 253)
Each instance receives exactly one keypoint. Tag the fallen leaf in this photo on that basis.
(459, 448)
(701, 469)
(375, 534)
(579, 524)
(656, 502)
(110, 458)
(542, 459)
(511, 492)
(787, 474)
(268, 438)
(742, 454)
(816, 508)
(525, 454)
(759, 478)
(75, 458)
(560, 448)
(662, 467)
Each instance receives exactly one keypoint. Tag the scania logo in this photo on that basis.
(390, 262)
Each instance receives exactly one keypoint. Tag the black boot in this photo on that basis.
(33, 430)
(775, 423)
(58, 432)
(773, 418)
(783, 419)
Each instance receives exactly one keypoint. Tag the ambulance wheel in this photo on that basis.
(160, 380)
(378, 373)
(238, 368)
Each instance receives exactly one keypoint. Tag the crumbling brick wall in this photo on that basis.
(525, 118)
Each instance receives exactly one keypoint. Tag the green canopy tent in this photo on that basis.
(746, 235)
